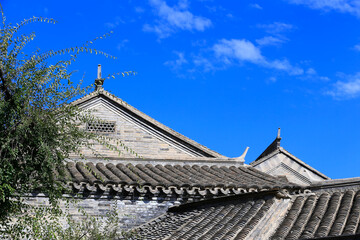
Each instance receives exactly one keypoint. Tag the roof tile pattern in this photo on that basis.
(176, 176)
(226, 220)
(323, 215)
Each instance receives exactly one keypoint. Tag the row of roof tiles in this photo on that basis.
(323, 215)
(224, 220)
(176, 176)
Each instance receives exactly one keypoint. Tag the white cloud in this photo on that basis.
(324, 78)
(270, 41)
(199, 43)
(117, 21)
(276, 34)
(311, 75)
(183, 4)
(242, 50)
(349, 88)
(122, 44)
(311, 71)
(204, 63)
(229, 15)
(344, 6)
(255, 5)
(272, 80)
(357, 47)
(285, 65)
(175, 18)
(179, 62)
(276, 27)
(139, 10)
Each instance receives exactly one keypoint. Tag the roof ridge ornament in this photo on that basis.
(278, 134)
(242, 157)
(99, 81)
(275, 145)
(278, 139)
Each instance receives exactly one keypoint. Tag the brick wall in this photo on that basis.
(133, 136)
(132, 213)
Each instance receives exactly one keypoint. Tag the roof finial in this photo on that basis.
(242, 157)
(278, 139)
(99, 81)
(278, 134)
(99, 71)
(275, 145)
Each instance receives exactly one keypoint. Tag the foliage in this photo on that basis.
(39, 127)
(45, 222)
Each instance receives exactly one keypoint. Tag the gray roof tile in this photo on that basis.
(322, 215)
(225, 218)
(173, 176)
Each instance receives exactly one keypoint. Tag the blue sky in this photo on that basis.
(225, 73)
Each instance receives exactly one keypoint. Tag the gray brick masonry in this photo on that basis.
(134, 137)
(132, 213)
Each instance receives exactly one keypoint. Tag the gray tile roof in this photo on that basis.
(322, 215)
(224, 218)
(331, 213)
(180, 179)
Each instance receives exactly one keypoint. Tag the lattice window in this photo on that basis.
(101, 127)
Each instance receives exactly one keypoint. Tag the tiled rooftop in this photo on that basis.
(321, 215)
(178, 177)
(228, 218)
(326, 214)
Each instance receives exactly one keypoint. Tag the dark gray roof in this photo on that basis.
(322, 215)
(178, 178)
(328, 213)
(222, 218)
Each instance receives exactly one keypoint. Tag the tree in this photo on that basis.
(55, 226)
(39, 127)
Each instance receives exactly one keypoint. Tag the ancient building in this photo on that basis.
(167, 186)
(276, 161)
